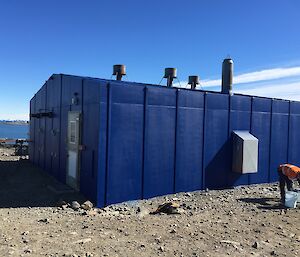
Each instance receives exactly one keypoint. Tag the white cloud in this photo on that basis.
(290, 91)
(281, 83)
(256, 76)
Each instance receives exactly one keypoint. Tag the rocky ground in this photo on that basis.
(245, 221)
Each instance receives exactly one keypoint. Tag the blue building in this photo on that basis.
(116, 141)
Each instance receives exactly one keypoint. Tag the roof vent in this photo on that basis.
(193, 81)
(170, 74)
(119, 70)
(227, 74)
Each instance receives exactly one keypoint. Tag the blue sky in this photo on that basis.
(39, 38)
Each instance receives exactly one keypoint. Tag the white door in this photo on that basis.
(73, 143)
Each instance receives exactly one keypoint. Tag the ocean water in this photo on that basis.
(14, 131)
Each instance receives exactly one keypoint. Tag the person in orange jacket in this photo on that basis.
(287, 174)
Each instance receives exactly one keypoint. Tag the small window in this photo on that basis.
(72, 132)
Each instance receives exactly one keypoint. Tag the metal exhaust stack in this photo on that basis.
(170, 74)
(193, 81)
(119, 70)
(227, 74)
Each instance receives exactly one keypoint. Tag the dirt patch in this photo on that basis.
(245, 221)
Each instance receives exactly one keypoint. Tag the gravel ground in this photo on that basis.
(245, 221)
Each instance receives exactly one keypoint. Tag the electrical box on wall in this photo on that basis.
(245, 152)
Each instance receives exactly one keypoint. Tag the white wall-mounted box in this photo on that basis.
(245, 152)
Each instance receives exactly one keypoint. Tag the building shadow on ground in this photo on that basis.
(24, 185)
(267, 203)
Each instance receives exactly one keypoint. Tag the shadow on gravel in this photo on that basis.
(267, 203)
(24, 185)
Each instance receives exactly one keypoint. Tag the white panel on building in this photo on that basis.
(245, 152)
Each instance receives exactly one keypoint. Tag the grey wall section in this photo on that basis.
(143, 140)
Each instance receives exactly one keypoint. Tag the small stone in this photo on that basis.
(161, 248)
(75, 205)
(28, 251)
(25, 233)
(44, 220)
(142, 212)
(255, 245)
(173, 231)
(273, 253)
(87, 205)
(83, 241)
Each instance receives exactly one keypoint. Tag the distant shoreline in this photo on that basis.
(14, 122)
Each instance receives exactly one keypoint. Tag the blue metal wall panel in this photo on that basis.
(294, 135)
(89, 163)
(91, 91)
(240, 119)
(63, 143)
(55, 143)
(32, 130)
(125, 151)
(50, 86)
(260, 128)
(36, 135)
(41, 105)
(189, 141)
(101, 176)
(279, 136)
(48, 143)
(71, 88)
(159, 141)
(54, 91)
(90, 136)
(216, 144)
